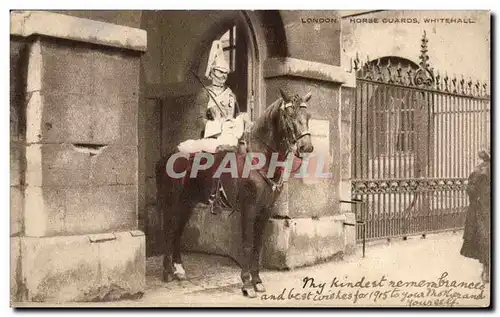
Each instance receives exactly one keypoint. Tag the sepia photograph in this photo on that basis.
(250, 158)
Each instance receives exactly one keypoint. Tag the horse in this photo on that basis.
(283, 128)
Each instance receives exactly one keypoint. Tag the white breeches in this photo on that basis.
(207, 145)
(229, 137)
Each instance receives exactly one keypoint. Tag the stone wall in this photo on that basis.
(447, 51)
(87, 131)
(74, 230)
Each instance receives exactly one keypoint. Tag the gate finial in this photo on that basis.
(424, 58)
(356, 62)
(424, 75)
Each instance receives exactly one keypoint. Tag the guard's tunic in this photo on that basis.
(212, 121)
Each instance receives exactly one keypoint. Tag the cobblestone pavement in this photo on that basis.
(214, 281)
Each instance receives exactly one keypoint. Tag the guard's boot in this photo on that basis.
(212, 200)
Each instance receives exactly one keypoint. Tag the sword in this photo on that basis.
(208, 92)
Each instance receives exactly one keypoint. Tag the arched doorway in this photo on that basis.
(179, 45)
(241, 51)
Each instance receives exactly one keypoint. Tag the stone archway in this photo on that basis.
(168, 86)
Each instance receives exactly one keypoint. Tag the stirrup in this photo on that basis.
(215, 209)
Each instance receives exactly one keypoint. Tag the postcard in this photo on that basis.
(352, 169)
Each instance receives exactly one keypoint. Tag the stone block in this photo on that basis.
(350, 233)
(115, 75)
(65, 69)
(66, 118)
(16, 211)
(215, 234)
(347, 96)
(75, 118)
(345, 165)
(115, 165)
(345, 193)
(16, 282)
(80, 165)
(107, 73)
(115, 120)
(83, 268)
(51, 211)
(127, 18)
(17, 88)
(16, 163)
(123, 262)
(291, 243)
(78, 30)
(17, 46)
(281, 206)
(83, 95)
(310, 200)
(288, 243)
(151, 134)
(324, 37)
(17, 118)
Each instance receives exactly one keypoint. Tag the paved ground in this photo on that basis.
(214, 281)
(387, 268)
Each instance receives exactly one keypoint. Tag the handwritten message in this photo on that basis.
(441, 292)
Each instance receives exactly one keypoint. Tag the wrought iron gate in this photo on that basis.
(415, 136)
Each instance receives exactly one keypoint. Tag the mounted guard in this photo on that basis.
(219, 117)
(282, 129)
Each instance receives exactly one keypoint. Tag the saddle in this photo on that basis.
(218, 199)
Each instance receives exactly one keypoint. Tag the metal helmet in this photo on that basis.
(216, 59)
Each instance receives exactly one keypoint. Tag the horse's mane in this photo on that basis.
(269, 128)
(266, 119)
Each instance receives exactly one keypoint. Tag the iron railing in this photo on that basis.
(415, 139)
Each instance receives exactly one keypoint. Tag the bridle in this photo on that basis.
(290, 132)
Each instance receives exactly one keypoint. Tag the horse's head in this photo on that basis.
(295, 120)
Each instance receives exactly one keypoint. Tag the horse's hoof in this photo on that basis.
(248, 292)
(259, 287)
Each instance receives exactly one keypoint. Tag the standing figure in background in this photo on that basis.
(477, 232)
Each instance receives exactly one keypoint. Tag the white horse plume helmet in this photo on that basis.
(216, 59)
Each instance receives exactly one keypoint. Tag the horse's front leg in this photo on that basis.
(248, 217)
(259, 228)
